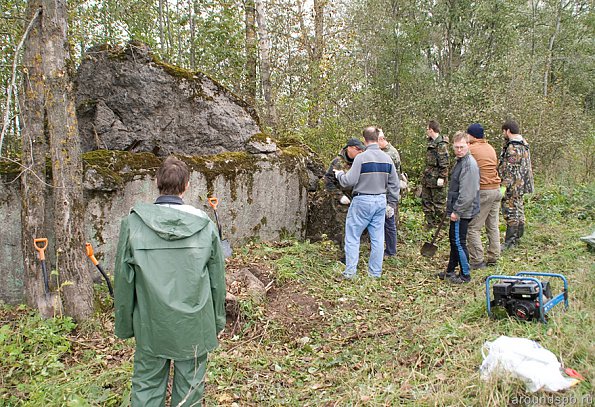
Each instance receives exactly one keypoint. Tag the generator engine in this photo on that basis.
(521, 298)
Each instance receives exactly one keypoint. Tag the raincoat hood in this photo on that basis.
(170, 223)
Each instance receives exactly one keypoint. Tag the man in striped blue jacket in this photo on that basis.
(374, 179)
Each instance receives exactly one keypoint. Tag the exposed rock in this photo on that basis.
(242, 283)
(261, 147)
(128, 100)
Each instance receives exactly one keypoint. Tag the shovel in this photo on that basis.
(40, 245)
(224, 242)
(429, 249)
(91, 255)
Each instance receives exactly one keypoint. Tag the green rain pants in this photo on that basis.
(151, 374)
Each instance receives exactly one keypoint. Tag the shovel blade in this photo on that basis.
(226, 247)
(428, 249)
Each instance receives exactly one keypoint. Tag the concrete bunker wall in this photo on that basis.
(132, 111)
(260, 196)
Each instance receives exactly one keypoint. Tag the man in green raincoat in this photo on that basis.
(169, 291)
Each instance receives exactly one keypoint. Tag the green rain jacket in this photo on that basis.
(169, 282)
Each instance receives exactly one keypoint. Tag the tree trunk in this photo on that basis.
(180, 52)
(316, 64)
(170, 37)
(75, 279)
(251, 49)
(265, 64)
(162, 42)
(550, 49)
(34, 153)
(192, 17)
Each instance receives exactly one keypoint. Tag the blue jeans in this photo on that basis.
(459, 255)
(390, 235)
(365, 212)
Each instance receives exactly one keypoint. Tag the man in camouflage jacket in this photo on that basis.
(341, 196)
(515, 170)
(433, 181)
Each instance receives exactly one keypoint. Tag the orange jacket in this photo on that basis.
(486, 158)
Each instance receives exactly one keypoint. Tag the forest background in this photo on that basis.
(319, 71)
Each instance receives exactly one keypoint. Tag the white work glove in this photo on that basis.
(404, 184)
(337, 172)
(440, 182)
(344, 200)
(390, 211)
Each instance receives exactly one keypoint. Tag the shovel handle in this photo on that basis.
(41, 249)
(90, 253)
(213, 202)
(439, 228)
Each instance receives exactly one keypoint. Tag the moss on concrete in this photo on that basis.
(121, 166)
(262, 138)
(230, 165)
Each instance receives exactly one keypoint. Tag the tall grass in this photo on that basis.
(407, 339)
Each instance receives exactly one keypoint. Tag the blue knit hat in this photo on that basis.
(475, 130)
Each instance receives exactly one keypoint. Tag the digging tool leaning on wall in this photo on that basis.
(170, 291)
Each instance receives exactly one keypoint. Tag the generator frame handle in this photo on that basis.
(557, 298)
(527, 276)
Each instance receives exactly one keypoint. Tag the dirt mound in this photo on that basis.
(287, 304)
(298, 312)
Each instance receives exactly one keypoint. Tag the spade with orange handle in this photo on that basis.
(91, 255)
(40, 245)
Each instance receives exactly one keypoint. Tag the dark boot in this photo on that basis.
(521, 230)
(512, 237)
(445, 275)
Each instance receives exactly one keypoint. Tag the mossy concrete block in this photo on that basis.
(11, 258)
(261, 196)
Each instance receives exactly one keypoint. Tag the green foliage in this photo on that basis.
(396, 64)
(409, 339)
(32, 350)
(562, 202)
(43, 364)
(405, 339)
(12, 25)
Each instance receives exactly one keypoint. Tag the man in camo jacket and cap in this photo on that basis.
(341, 196)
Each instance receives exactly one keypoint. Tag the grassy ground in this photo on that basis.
(407, 339)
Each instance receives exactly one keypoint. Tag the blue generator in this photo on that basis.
(524, 296)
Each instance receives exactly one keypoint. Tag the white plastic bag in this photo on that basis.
(525, 359)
